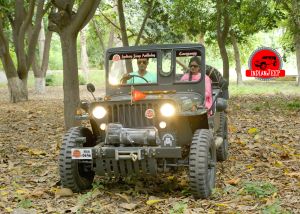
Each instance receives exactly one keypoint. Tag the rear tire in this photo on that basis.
(222, 151)
(202, 164)
(75, 175)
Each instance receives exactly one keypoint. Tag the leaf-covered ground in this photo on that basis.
(262, 174)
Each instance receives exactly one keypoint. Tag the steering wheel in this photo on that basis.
(129, 76)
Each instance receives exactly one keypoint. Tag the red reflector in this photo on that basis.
(76, 154)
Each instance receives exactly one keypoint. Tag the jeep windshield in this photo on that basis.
(131, 68)
(155, 68)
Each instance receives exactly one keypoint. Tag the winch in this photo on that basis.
(116, 135)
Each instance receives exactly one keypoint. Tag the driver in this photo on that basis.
(142, 71)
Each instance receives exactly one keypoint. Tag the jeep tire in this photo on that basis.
(75, 175)
(222, 150)
(202, 163)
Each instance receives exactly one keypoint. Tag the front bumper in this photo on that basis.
(116, 161)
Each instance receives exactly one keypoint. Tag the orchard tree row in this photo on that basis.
(27, 28)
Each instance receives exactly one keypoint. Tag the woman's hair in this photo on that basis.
(195, 59)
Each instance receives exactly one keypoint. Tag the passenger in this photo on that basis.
(142, 71)
(194, 75)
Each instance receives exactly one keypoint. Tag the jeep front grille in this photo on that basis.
(131, 116)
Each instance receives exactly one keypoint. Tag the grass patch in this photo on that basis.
(259, 189)
(178, 208)
(97, 77)
(25, 203)
(55, 78)
(294, 105)
(263, 87)
(274, 208)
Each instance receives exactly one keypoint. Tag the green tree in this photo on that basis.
(247, 18)
(17, 18)
(291, 9)
(67, 24)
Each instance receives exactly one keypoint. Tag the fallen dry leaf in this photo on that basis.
(128, 206)
(36, 152)
(153, 201)
(64, 192)
(252, 131)
(252, 159)
(124, 196)
(233, 181)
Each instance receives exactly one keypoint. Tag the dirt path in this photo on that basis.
(261, 175)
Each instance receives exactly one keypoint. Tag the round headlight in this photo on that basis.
(99, 112)
(162, 124)
(167, 110)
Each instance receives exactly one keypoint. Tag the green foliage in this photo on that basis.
(158, 28)
(294, 105)
(259, 189)
(192, 17)
(178, 208)
(82, 80)
(55, 55)
(50, 80)
(274, 208)
(98, 185)
(25, 203)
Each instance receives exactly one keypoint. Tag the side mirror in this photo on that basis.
(90, 87)
(221, 104)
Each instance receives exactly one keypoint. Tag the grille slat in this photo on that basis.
(130, 116)
(124, 113)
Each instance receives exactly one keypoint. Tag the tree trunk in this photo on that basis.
(41, 42)
(111, 39)
(237, 59)
(40, 64)
(99, 35)
(70, 82)
(68, 24)
(297, 45)
(15, 88)
(225, 59)
(222, 33)
(124, 33)
(150, 6)
(84, 56)
(38, 78)
(201, 38)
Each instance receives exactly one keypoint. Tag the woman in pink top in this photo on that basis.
(194, 75)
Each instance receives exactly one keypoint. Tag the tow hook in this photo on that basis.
(133, 156)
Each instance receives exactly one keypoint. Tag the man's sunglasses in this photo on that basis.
(145, 62)
(194, 66)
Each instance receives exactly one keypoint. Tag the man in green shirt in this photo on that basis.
(142, 71)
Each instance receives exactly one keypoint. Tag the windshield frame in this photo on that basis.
(164, 82)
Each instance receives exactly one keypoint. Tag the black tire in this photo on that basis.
(202, 164)
(222, 151)
(74, 175)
